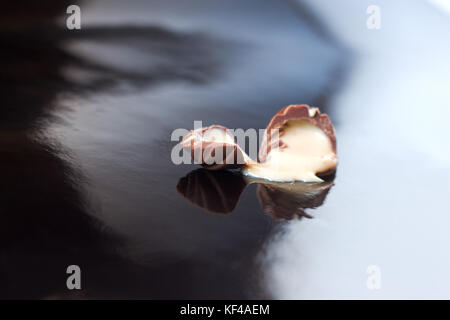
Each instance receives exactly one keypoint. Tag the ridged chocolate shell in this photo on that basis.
(295, 112)
(203, 152)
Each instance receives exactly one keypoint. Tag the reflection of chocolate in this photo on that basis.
(214, 147)
(215, 191)
(219, 192)
(287, 201)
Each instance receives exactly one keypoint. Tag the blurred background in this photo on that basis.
(85, 123)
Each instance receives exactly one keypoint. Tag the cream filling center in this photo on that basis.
(307, 152)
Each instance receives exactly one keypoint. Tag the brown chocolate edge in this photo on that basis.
(297, 112)
(203, 129)
(230, 160)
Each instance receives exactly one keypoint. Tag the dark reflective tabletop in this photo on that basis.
(85, 125)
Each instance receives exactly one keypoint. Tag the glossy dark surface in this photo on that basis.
(85, 124)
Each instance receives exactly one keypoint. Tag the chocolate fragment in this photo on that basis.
(294, 112)
(214, 148)
(299, 144)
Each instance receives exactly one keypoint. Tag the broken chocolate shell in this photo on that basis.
(298, 145)
(214, 148)
(294, 112)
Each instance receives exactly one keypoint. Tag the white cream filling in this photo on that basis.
(307, 151)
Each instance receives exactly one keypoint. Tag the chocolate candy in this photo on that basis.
(299, 144)
(295, 112)
(214, 148)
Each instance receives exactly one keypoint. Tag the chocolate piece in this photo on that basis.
(214, 148)
(295, 112)
(299, 145)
